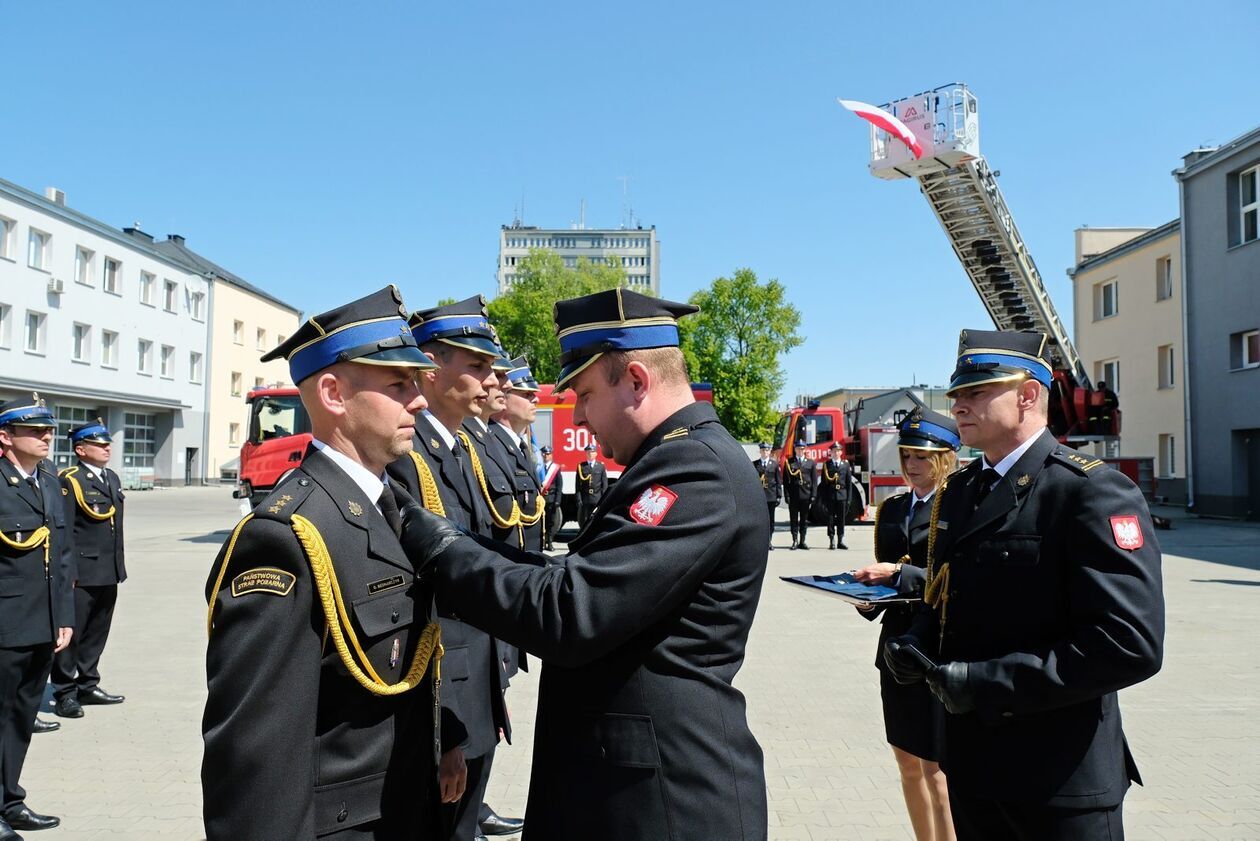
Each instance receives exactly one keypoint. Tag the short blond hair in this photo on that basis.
(667, 363)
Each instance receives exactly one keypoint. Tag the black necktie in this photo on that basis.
(529, 457)
(914, 508)
(389, 510)
(988, 478)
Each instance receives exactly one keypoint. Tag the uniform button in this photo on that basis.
(343, 814)
(304, 482)
(1005, 554)
(393, 617)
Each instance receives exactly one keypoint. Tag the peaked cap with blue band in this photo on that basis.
(924, 429)
(616, 319)
(463, 324)
(26, 411)
(91, 433)
(503, 364)
(520, 378)
(1000, 356)
(372, 331)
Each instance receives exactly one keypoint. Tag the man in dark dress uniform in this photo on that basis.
(768, 469)
(438, 474)
(511, 427)
(833, 488)
(552, 490)
(37, 591)
(592, 481)
(643, 624)
(95, 501)
(798, 487)
(321, 717)
(1045, 588)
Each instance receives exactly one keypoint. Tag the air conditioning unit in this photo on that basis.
(56, 285)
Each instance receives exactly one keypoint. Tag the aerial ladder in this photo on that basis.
(963, 193)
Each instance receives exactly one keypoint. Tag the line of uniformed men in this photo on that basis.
(803, 480)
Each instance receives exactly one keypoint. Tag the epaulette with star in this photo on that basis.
(286, 498)
(1080, 462)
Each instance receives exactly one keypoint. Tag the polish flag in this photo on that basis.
(883, 119)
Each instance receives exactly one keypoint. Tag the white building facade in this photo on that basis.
(636, 250)
(101, 323)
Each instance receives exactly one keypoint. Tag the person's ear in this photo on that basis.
(640, 379)
(1029, 391)
(331, 392)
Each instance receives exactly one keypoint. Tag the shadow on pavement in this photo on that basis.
(1225, 581)
(212, 537)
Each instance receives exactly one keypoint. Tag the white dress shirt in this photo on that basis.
(372, 486)
(1003, 466)
(445, 434)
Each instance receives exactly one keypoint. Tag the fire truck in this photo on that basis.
(963, 194)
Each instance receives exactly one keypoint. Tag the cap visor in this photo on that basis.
(33, 422)
(568, 372)
(977, 377)
(477, 344)
(408, 356)
(923, 444)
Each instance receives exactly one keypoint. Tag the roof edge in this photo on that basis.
(1153, 235)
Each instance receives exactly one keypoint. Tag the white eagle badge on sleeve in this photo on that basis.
(652, 505)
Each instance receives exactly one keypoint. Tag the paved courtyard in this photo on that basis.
(131, 771)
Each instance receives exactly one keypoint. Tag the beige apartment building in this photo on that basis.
(1128, 329)
(245, 323)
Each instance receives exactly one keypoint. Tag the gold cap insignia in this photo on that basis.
(355, 508)
(433, 442)
(1023, 480)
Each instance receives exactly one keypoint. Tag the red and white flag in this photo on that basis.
(885, 120)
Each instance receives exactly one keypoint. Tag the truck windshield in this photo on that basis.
(780, 431)
(276, 417)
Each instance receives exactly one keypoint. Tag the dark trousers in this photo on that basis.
(23, 673)
(773, 508)
(553, 522)
(586, 509)
(985, 819)
(798, 516)
(76, 669)
(464, 816)
(836, 511)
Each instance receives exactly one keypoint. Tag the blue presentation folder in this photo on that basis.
(843, 586)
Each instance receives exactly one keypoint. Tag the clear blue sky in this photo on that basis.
(322, 150)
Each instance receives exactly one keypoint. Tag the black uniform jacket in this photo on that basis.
(833, 481)
(591, 488)
(798, 480)
(769, 479)
(473, 677)
(897, 541)
(36, 598)
(98, 544)
(1056, 601)
(499, 468)
(641, 629)
(525, 481)
(295, 747)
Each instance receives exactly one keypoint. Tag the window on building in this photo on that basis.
(260, 339)
(37, 248)
(238, 332)
(1163, 279)
(139, 440)
(168, 362)
(1244, 350)
(236, 383)
(1106, 299)
(68, 417)
(281, 339)
(83, 265)
(194, 367)
(258, 381)
(234, 434)
(1167, 456)
(170, 295)
(1167, 370)
(1248, 204)
(82, 343)
(148, 286)
(7, 227)
(109, 349)
(35, 327)
(1108, 371)
(197, 302)
(144, 356)
(6, 328)
(112, 279)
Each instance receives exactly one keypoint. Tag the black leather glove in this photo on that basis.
(424, 534)
(951, 684)
(904, 666)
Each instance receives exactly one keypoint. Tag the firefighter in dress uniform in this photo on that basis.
(95, 500)
(834, 476)
(678, 544)
(927, 443)
(592, 481)
(512, 427)
(798, 486)
(552, 492)
(768, 469)
(1045, 598)
(323, 659)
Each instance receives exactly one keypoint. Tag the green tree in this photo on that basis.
(523, 314)
(735, 342)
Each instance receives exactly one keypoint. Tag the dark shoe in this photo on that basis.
(771, 547)
(841, 545)
(42, 726)
(793, 546)
(67, 708)
(832, 542)
(23, 818)
(96, 695)
(802, 546)
(7, 833)
(492, 824)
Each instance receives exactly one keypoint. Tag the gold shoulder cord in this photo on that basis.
(794, 473)
(41, 536)
(936, 593)
(511, 520)
(429, 496)
(83, 506)
(428, 649)
(584, 477)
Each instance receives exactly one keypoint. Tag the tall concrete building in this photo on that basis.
(1127, 327)
(1220, 253)
(102, 324)
(636, 250)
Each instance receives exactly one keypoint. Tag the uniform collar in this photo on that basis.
(442, 431)
(372, 486)
(1003, 467)
(94, 470)
(516, 439)
(688, 417)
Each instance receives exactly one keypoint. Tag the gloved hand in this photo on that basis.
(424, 534)
(905, 667)
(950, 683)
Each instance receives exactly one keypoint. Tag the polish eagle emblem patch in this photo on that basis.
(1128, 532)
(652, 505)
